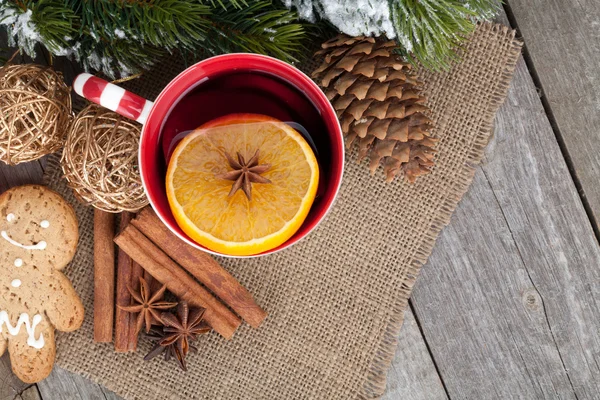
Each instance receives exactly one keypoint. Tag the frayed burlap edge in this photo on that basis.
(376, 381)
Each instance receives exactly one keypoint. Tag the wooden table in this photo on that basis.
(508, 305)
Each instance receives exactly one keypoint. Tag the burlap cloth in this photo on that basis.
(335, 300)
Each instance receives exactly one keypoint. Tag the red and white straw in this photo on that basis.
(112, 97)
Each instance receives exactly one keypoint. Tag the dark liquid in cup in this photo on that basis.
(249, 92)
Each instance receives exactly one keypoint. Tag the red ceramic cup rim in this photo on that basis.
(199, 73)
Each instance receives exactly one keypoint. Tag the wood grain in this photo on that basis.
(20, 174)
(63, 385)
(554, 237)
(31, 393)
(508, 299)
(413, 375)
(10, 385)
(563, 42)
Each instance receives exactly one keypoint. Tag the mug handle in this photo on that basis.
(113, 97)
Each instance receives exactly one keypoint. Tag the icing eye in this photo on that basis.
(45, 224)
(10, 217)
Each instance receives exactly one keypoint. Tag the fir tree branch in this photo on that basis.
(53, 22)
(256, 29)
(45, 21)
(431, 31)
(127, 36)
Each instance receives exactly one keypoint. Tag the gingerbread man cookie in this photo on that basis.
(38, 238)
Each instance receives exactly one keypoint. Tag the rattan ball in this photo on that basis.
(35, 105)
(100, 162)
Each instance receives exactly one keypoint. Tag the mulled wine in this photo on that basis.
(249, 92)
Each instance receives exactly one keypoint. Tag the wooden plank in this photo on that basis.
(554, 238)
(508, 300)
(109, 395)
(470, 300)
(413, 375)
(31, 393)
(10, 385)
(20, 174)
(562, 40)
(63, 385)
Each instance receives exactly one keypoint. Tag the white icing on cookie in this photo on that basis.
(10, 217)
(45, 224)
(38, 246)
(18, 262)
(29, 326)
(16, 283)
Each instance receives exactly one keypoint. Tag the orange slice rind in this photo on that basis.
(233, 224)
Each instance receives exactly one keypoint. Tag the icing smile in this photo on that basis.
(38, 246)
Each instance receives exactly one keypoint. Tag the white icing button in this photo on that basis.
(10, 217)
(16, 283)
(41, 245)
(44, 224)
(18, 262)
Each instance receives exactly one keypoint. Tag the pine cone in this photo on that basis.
(377, 98)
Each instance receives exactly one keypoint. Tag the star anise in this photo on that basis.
(147, 305)
(157, 334)
(245, 173)
(182, 328)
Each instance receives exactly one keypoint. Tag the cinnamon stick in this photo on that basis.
(165, 270)
(123, 297)
(202, 266)
(153, 283)
(104, 275)
(137, 272)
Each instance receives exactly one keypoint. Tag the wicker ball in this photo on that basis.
(100, 160)
(36, 112)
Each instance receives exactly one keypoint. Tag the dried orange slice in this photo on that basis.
(242, 184)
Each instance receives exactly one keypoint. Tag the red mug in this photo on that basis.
(174, 101)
